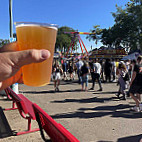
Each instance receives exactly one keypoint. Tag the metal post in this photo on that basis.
(14, 87)
(11, 19)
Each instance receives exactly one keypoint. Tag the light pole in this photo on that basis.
(11, 19)
(14, 86)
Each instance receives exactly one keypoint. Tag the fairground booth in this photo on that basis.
(103, 53)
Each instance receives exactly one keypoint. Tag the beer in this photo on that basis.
(34, 36)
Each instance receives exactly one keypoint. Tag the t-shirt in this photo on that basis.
(138, 78)
(97, 67)
(79, 64)
(117, 64)
(70, 69)
(113, 66)
(57, 69)
(108, 67)
(84, 70)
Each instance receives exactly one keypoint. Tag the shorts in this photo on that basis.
(56, 76)
(134, 89)
(84, 79)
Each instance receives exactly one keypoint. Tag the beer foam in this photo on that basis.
(37, 25)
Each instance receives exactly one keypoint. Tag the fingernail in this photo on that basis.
(45, 54)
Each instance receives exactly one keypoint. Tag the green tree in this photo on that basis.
(63, 40)
(96, 34)
(130, 24)
(127, 29)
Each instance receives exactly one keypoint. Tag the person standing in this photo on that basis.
(97, 71)
(70, 70)
(92, 73)
(79, 64)
(57, 76)
(122, 72)
(136, 85)
(102, 70)
(65, 68)
(113, 69)
(108, 70)
(84, 76)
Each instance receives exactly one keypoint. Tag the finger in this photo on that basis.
(10, 47)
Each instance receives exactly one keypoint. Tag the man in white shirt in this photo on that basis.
(97, 72)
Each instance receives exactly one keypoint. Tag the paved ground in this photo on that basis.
(90, 116)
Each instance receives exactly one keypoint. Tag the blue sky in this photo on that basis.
(80, 15)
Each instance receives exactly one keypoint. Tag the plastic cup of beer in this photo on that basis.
(37, 36)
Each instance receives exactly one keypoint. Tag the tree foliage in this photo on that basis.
(96, 34)
(3, 42)
(63, 40)
(127, 30)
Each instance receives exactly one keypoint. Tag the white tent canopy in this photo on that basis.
(132, 56)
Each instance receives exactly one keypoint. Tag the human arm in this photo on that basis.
(133, 77)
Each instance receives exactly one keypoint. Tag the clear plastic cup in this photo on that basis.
(37, 36)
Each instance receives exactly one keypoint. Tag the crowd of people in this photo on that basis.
(127, 74)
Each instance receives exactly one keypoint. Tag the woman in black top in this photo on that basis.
(70, 71)
(136, 85)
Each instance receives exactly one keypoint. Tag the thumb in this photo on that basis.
(11, 62)
(25, 57)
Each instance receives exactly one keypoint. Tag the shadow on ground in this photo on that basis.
(87, 100)
(120, 110)
(50, 91)
(5, 130)
(64, 91)
(137, 138)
